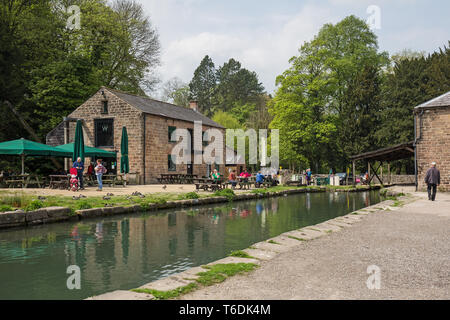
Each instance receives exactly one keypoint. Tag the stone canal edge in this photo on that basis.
(21, 218)
(257, 253)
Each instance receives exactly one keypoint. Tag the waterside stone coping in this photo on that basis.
(264, 250)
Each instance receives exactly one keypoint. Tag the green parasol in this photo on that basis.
(78, 148)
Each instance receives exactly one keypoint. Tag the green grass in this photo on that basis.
(5, 207)
(163, 295)
(228, 193)
(215, 274)
(34, 205)
(273, 242)
(241, 254)
(189, 196)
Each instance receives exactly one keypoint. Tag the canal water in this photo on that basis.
(124, 252)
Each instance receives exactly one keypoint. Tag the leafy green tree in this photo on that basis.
(317, 94)
(203, 85)
(236, 86)
(227, 120)
(413, 79)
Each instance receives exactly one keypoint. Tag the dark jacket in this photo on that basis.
(79, 166)
(433, 176)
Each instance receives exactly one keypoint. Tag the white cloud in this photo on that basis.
(264, 37)
(266, 50)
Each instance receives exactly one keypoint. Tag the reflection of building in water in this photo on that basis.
(99, 231)
(275, 205)
(308, 201)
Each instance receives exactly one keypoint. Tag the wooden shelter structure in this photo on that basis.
(397, 152)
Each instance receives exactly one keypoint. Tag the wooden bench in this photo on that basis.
(209, 186)
(59, 181)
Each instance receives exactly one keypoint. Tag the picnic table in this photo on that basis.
(176, 178)
(208, 184)
(24, 180)
(59, 181)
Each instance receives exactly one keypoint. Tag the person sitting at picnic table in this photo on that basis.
(79, 165)
(100, 170)
(216, 176)
(245, 175)
(232, 179)
(259, 179)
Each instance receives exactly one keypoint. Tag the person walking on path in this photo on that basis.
(79, 165)
(100, 170)
(432, 179)
(308, 176)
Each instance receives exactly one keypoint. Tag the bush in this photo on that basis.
(228, 193)
(34, 205)
(191, 195)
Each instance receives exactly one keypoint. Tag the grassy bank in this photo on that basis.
(10, 201)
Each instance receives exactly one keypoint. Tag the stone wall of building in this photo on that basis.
(158, 147)
(123, 115)
(434, 145)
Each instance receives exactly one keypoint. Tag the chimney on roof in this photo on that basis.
(193, 104)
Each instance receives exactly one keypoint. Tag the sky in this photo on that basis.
(264, 34)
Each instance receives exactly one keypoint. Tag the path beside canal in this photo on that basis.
(410, 245)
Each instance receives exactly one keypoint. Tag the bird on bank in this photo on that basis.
(164, 187)
(106, 198)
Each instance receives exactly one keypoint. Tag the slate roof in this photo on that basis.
(164, 109)
(441, 101)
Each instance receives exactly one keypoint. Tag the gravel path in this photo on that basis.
(411, 247)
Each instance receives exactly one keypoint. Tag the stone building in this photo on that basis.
(432, 138)
(149, 125)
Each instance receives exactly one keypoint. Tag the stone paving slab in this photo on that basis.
(263, 245)
(298, 234)
(166, 284)
(188, 274)
(327, 226)
(261, 254)
(285, 240)
(311, 234)
(123, 295)
(233, 260)
(339, 223)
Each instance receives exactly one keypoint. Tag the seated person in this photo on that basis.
(274, 180)
(245, 175)
(259, 179)
(232, 179)
(216, 176)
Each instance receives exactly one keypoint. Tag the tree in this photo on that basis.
(227, 120)
(177, 92)
(203, 85)
(236, 86)
(413, 79)
(317, 94)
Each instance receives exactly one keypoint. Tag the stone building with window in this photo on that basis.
(432, 139)
(149, 124)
